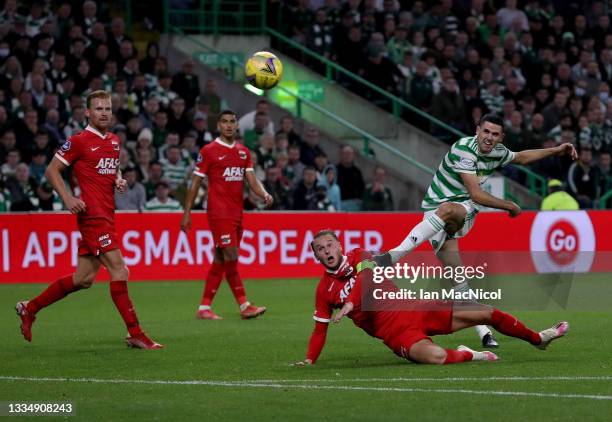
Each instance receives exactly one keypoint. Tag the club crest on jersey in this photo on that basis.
(107, 165)
(66, 146)
(226, 239)
(233, 174)
(242, 155)
(105, 240)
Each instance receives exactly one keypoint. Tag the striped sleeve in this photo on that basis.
(508, 156)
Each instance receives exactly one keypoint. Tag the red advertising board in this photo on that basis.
(39, 247)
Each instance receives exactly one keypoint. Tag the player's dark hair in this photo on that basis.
(492, 118)
(321, 233)
(226, 112)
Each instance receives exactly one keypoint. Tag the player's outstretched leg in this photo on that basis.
(506, 324)
(213, 281)
(425, 351)
(113, 261)
(87, 268)
(448, 214)
(247, 310)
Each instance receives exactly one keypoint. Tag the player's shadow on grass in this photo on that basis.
(365, 363)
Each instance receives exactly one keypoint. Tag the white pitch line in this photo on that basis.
(252, 384)
(452, 379)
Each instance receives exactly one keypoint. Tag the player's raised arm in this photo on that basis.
(256, 186)
(531, 155)
(196, 181)
(481, 197)
(53, 174)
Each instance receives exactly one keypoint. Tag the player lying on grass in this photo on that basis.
(455, 195)
(405, 332)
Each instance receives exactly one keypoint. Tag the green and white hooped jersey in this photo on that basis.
(463, 157)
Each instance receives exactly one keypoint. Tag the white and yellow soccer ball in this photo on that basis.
(263, 70)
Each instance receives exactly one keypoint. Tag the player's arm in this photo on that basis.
(531, 155)
(315, 344)
(53, 173)
(472, 184)
(196, 181)
(256, 186)
(365, 272)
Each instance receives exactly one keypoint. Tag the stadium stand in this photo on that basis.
(544, 66)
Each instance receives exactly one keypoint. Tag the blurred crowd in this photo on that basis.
(52, 54)
(544, 65)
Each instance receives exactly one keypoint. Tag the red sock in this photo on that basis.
(213, 280)
(54, 292)
(119, 294)
(456, 356)
(235, 282)
(511, 326)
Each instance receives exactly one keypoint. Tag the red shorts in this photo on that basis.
(97, 236)
(419, 325)
(226, 233)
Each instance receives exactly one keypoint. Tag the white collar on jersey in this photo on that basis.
(340, 267)
(96, 131)
(219, 141)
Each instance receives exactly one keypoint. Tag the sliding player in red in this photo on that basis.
(94, 157)
(226, 163)
(405, 332)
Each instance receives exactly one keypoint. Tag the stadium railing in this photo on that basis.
(604, 199)
(533, 181)
(236, 75)
(218, 17)
(250, 17)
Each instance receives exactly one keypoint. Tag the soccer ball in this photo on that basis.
(263, 70)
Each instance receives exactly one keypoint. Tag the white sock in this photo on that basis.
(423, 231)
(204, 308)
(244, 306)
(482, 330)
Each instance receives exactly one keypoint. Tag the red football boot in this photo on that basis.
(207, 314)
(141, 341)
(252, 311)
(27, 319)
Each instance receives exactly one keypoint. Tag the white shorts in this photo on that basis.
(438, 240)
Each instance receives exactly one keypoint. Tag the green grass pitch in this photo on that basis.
(240, 369)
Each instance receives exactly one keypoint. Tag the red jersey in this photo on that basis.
(95, 160)
(225, 166)
(398, 323)
(335, 287)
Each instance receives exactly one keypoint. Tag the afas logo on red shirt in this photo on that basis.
(233, 174)
(107, 165)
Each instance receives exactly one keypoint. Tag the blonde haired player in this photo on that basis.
(94, 157)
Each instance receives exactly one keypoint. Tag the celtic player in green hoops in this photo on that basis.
(455, 195)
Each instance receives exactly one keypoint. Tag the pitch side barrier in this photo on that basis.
(36, 247)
